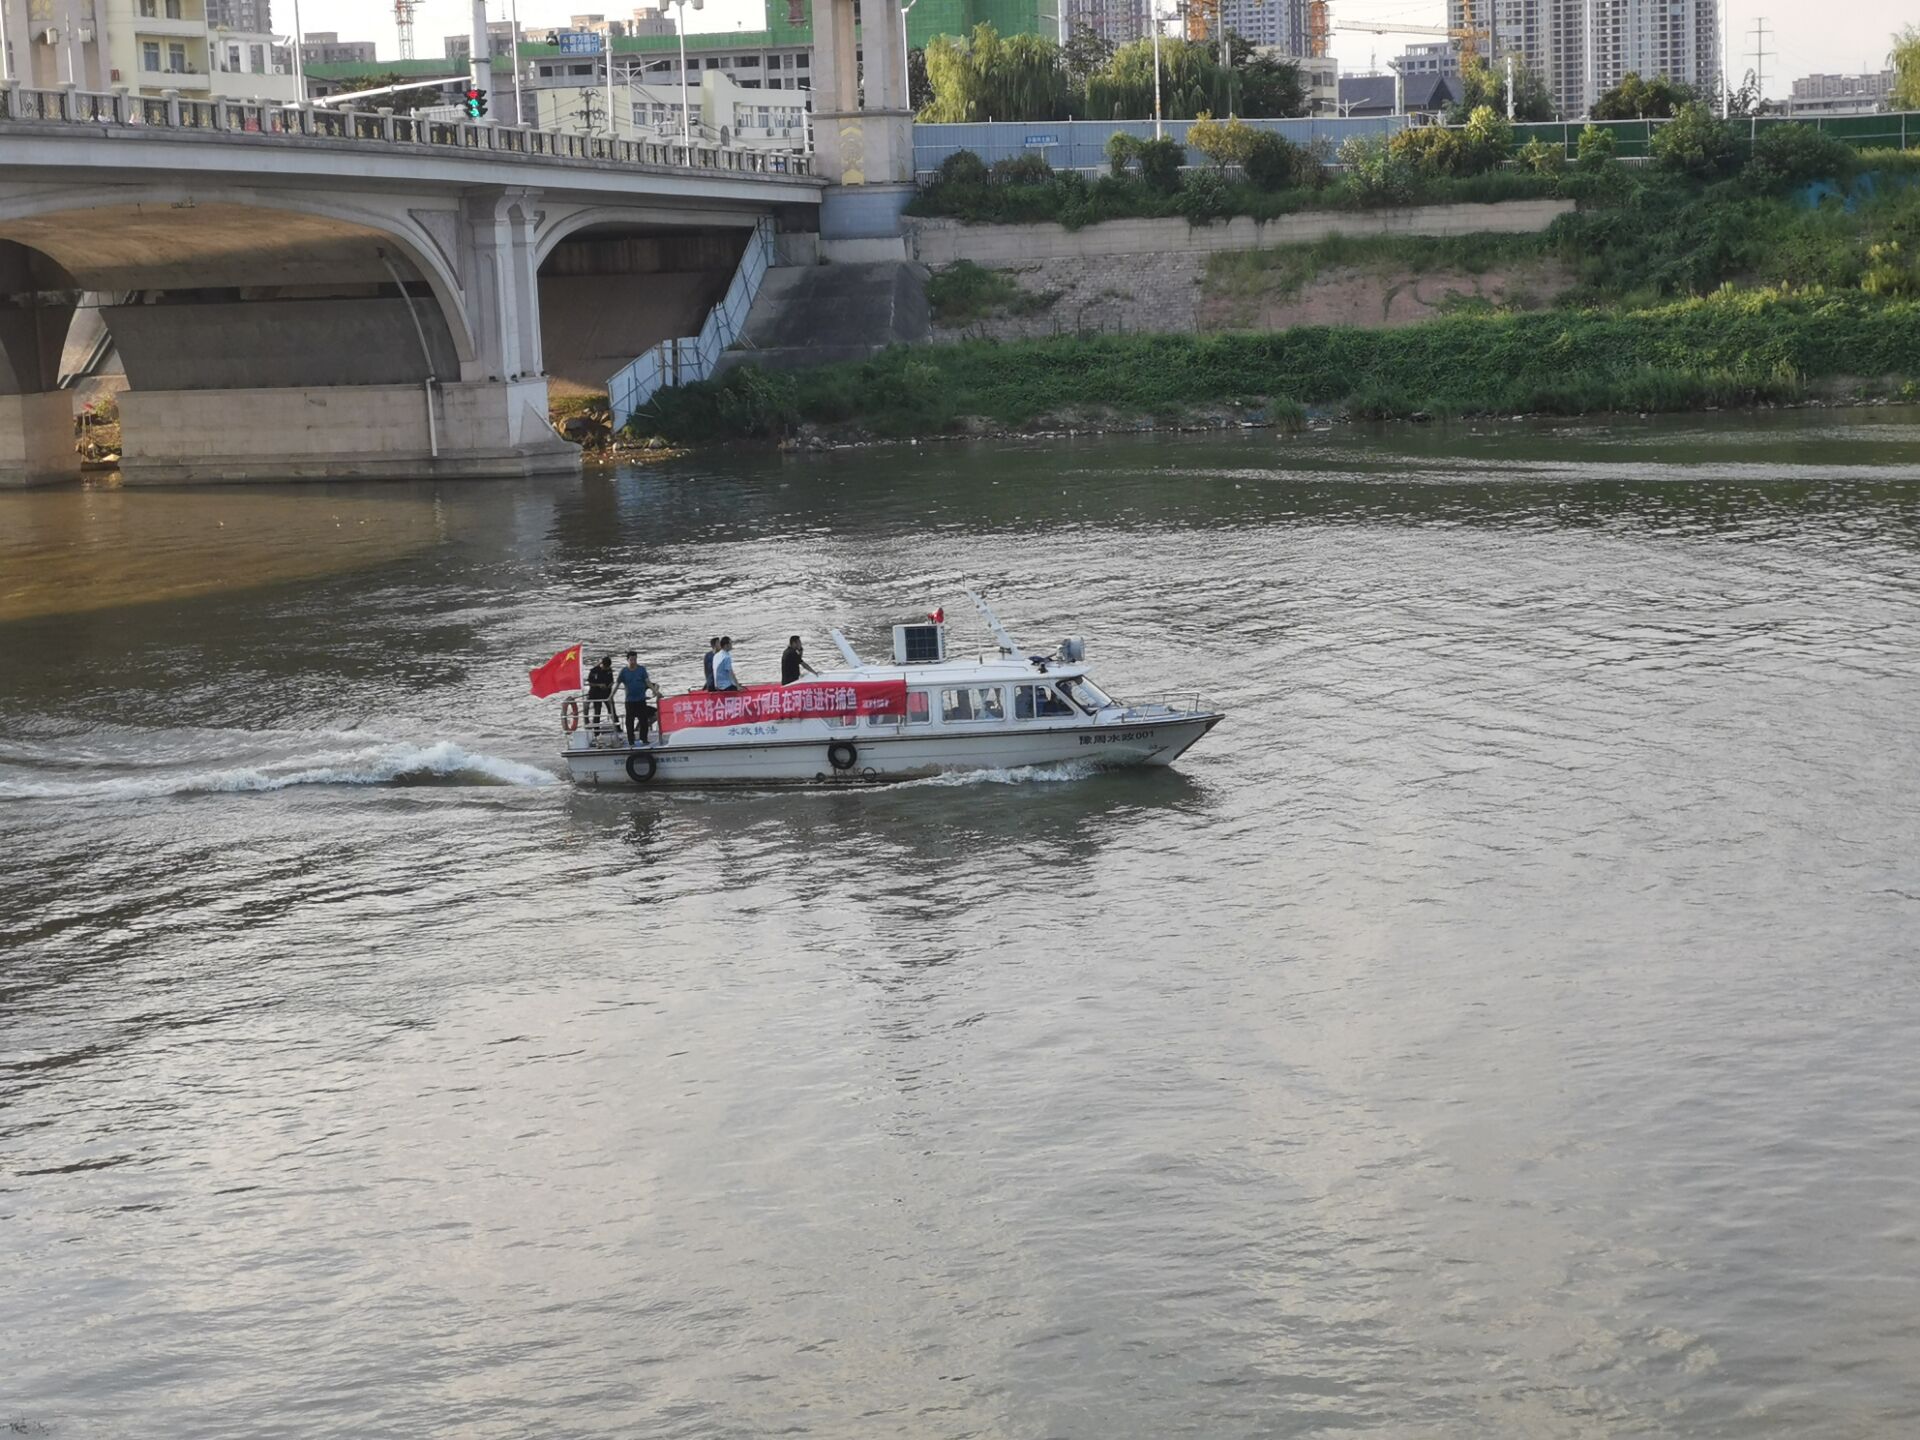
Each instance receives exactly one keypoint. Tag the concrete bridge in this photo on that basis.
(311, 293)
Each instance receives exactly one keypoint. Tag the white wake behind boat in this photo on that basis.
(926, 713)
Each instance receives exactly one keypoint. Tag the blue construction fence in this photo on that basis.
(1082, 144)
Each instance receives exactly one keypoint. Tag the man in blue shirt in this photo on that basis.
(634, 683)
(723, 676)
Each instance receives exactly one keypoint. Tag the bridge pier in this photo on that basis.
(36, 439)
(36, 416)
(464, 430)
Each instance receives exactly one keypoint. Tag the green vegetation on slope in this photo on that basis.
(1656, 319)
(1728, 348)
(1284, 270)
(964, 292)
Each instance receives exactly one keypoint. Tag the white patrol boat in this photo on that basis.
(924, 714)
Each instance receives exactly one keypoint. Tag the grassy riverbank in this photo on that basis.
(1675, 290)
(1729, 348)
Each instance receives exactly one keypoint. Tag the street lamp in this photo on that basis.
(686, 105)
(906, 58)
(1153, 10)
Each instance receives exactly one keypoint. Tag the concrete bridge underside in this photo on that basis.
(287, 330)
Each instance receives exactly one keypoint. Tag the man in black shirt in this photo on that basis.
(706, 660)
(791, 664)
(600, 690)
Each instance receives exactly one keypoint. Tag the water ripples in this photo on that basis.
(1497, 1026)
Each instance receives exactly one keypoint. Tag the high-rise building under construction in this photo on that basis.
(1581, 48)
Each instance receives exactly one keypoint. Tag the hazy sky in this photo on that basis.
(1837, 35)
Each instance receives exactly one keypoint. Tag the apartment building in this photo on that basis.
(500, 37)
(55, 42)
(1581, 48)
(722, 113)
(325, 47)
(1439, 57)
(1281, 24)
(1841, 94)
(253, 17)
(1118, 22)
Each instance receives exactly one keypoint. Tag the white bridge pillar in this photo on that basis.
(862, 128)
(36, 415)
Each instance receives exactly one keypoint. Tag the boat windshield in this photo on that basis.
(1086, 693)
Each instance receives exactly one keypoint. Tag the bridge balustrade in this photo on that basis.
(68, 105)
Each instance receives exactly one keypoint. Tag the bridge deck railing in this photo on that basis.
(119, 109)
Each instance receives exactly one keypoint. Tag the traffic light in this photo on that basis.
(476, 104)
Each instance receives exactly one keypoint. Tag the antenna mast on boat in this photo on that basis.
(853, 660)
(1007, 646)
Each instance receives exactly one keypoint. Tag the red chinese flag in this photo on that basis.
(562, 672)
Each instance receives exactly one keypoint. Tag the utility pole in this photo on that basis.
(1760, 54)
(1509, 87)
(1153, 10)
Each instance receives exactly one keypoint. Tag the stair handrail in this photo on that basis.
(688, 358)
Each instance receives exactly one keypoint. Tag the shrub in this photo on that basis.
(1274, 163)
(1431, 149)
(1890, 274)
(963, 167)
(1786, 155)
(1028, 169)
(1541, 158)
(1223, 144)
(1205, 197)
(1597, 147)
(1160, 162)
(1489, 137)
(1376, 177)
(965, 291)
(1694, 143)
(1123, 150)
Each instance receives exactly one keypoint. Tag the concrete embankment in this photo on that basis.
(1129, 277)
(941, 242)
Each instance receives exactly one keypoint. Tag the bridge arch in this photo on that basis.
(272, 243)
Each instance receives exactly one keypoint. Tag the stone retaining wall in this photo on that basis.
(942, 242)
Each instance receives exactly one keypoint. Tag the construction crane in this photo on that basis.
(403, 22)
(1319, 29)
(1467, 33)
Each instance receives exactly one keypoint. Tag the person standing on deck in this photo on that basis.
(792, 662)
(633, 680)
(723, 676)
(706, 660)
(600, 691)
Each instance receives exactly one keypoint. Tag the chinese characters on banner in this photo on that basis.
(760, 703)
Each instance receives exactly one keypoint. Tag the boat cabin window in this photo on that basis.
(919, 710)
(1038, 702)
(1084, 693)
(977, 703)
(841, 722)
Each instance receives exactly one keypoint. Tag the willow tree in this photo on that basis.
(1906, 70)
(1191, 80)
(983, 77)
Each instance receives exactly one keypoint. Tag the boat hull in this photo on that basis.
(887, 756)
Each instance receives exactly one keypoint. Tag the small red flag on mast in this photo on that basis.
(939, 616)
(562, 672)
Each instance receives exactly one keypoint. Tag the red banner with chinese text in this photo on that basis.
(759, 704)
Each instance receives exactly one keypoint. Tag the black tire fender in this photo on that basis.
(641, 766)
(842, 756)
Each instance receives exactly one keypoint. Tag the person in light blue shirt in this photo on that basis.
(633, 681)
(723, 676)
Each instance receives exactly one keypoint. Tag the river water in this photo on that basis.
(1505, 1024)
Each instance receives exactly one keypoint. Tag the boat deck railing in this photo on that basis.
(1157, 706)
